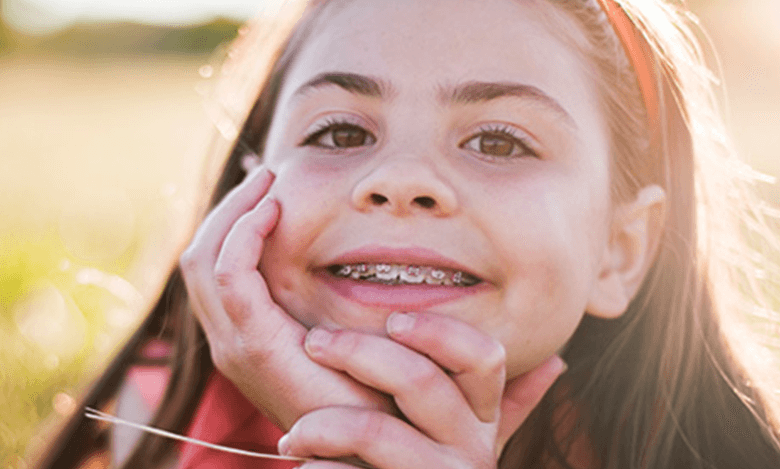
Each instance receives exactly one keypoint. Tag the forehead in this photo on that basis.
(425, 44)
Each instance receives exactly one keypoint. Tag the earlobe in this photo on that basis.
(635, 234)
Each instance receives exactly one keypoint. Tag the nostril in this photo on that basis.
(425, 201)
(378, 199)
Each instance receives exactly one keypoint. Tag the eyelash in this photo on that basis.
(508, 132)
(329, 125)
(502, 130)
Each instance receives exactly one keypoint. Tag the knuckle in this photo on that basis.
(225, 279)
(424, 376)
(230, 294)
(265, 350)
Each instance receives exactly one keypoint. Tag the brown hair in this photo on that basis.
(663, 385)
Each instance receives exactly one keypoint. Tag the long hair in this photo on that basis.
(664, 385)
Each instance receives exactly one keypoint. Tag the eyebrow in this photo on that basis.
(472, 92)
(351, 82)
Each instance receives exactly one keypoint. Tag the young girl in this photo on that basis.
(446, 202)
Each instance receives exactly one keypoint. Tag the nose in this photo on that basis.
(404, 186)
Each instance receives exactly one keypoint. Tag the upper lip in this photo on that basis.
(409, 256)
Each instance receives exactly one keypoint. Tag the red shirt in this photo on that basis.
(225, 417)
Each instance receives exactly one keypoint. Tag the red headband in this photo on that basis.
(641, 57)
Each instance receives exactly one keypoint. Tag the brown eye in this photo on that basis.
(341, 136)
(349, 137)
(496, 145)
(499, 144)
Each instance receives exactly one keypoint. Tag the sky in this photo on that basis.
(49, 16)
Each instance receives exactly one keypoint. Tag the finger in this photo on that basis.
(281, 380)
(524, 393)
(325, 464)
(197, 261)
(266, 361)
(268, 335)
(264, 356)
(350, 462)
(250, 162)
(375, 437)
(208, 238)
(422, 390)
(240, 286)
(476, 360)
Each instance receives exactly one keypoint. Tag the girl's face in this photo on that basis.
(454, 149)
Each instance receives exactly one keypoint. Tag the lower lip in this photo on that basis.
(406, 297)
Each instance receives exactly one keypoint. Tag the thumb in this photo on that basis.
(523, 393)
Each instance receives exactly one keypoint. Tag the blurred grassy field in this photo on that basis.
(100, 173)
(98, 186)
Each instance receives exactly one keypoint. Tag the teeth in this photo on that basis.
(360, 271)
(457, 277)
(386, 272)
(395, 274)
(436, 277)
(412, 274)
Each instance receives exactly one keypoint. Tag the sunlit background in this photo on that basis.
(100, 112)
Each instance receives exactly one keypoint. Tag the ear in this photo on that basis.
(635, 234)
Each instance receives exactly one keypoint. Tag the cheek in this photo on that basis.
(547, 235)
(545, 305)
(306, 202)
(303, 193)
(277, 269)
(551, 262)
(548, 292)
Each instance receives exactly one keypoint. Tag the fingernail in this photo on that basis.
(399, 323)
(261, 173)
(250, 162)
(257, 172)
(317, 340)
(563, 365)
(284, 445)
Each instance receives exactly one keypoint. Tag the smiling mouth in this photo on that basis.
(403, 274)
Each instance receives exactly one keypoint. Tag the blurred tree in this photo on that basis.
(124, 38)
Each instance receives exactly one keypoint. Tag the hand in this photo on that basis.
(255, 343)
(447, 379)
